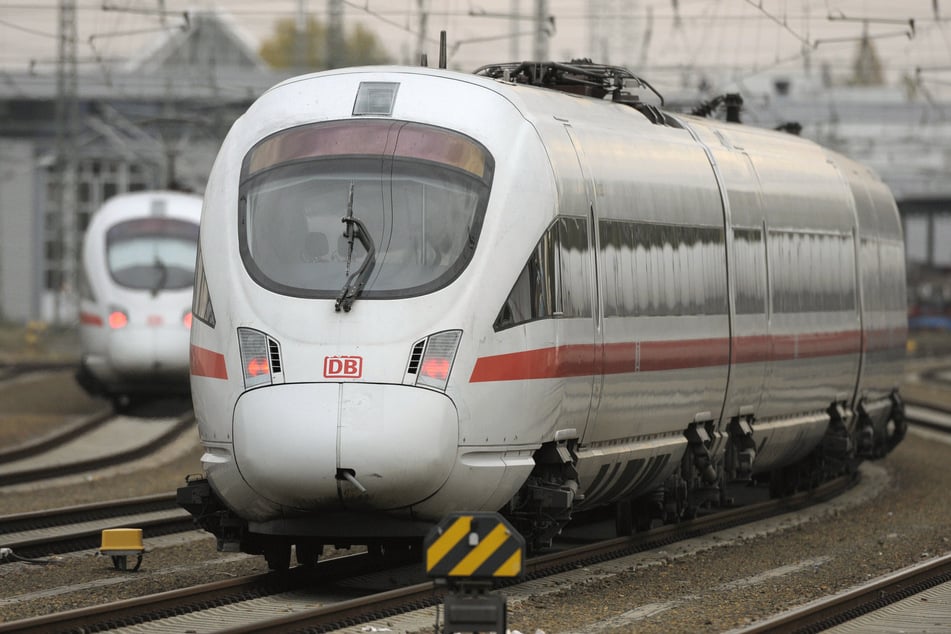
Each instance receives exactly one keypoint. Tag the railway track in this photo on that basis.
(40, 534)
(335, 598)
(841, 608)
(863, 600)
(14, 369)
(99, 441)
(68, 431)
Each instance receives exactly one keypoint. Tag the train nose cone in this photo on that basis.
(135, 350)
(296, 444)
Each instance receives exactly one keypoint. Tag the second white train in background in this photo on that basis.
(421, 291)
(136, 279)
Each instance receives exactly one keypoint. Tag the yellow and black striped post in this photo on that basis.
(478, 546)
(469, 552)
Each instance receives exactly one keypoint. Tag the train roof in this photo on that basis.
(175, 204)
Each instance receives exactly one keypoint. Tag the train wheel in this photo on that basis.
(395, 552)
(122, 403)
(783, 482)
(308, 553)
(277, 553)
(623, 518)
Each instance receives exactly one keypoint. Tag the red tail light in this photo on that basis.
(256, 358)
(118, 319)
(438, 359)
(187, 319)
(258, 366)
(435, 368)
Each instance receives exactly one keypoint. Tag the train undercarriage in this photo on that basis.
(548, 499)
(712, 462)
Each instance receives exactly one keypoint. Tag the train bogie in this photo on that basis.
(429, 292)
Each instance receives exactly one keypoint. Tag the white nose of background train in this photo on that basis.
(345, 445)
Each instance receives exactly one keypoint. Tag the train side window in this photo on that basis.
(750, 271)
(573, 283)
(882, 275)
(811, 272)
(656, 270)
(553, 283)
(846, 264)
(201, 297)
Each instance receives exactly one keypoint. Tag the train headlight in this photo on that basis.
(436, 364)
(260, 358)
(118, 319)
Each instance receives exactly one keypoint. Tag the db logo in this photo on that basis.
(343, 367)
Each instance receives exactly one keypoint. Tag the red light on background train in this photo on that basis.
(118, 319)
(187, 320)
(436, 368)
(258, 366)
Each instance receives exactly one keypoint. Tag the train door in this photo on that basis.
(593, 280)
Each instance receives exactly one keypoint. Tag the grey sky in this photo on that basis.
(659, 38)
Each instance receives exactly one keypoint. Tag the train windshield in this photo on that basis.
(152, 253)
(420, 192)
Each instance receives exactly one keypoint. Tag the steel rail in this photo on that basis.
(81, 466)
(183, 600)
(408, 598)
(72, 429)
(840, 608)
(42, 533)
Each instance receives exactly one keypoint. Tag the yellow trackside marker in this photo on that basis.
(474, 547)
(121, 543)
(512, 567)
(470, 553)
(478, 555)
(447, 540)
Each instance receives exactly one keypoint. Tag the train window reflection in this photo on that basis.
(554, 282)
(658, 270)
(750, 271)
(811, 272)
(154, 254)
(423, 216)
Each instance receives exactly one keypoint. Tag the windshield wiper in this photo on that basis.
(355, 230)
(162, 278)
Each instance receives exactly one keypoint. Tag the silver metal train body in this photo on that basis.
(137, 273)
(421, 291)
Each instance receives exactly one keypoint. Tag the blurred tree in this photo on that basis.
(285, 49)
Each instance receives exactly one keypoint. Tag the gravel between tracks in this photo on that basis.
(715, 591)
(35, 404)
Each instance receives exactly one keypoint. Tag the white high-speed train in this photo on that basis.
(136, 278)
(421, 291)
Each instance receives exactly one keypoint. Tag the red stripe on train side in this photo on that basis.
(657, 356)
(580, 360)
(886, 338)
(208, 363)
(90, 319)
(544, 363)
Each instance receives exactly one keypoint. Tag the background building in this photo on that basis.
(155, 122)
(70, 141)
